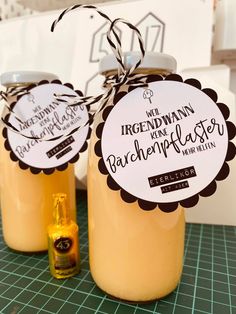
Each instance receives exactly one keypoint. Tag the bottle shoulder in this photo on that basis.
(59, 229)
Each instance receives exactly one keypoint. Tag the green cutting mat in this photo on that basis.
(208, 284)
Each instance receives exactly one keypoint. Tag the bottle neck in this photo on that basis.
(15, 89)
(145, 71)
(61, 214)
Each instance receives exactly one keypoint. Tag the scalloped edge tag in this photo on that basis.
(165, 145)
(43, 134)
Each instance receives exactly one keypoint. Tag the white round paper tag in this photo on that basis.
(165, 143)
(39, 116)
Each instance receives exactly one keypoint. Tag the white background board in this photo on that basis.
(181, 28)
(74, 49)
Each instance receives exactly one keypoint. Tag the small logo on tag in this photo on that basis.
(31, 98)
(147, 94)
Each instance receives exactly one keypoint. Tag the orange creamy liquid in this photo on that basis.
(135, 255)
(26, 202)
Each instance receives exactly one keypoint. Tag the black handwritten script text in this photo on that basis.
(173, 143)
(51, 121)
(157, 121)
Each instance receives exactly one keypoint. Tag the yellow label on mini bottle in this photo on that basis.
(64, 261)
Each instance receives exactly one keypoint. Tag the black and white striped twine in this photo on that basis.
(125, 75)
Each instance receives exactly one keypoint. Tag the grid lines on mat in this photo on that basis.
(208, 283)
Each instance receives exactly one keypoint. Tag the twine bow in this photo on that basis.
(125, 75)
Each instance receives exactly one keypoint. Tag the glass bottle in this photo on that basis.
(134, 255)
(25, 197)
(63, 246)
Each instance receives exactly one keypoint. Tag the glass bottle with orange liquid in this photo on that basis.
(26, 204)
(134, 255)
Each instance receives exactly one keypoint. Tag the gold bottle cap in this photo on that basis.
(61, 214)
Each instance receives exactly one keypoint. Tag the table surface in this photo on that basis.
(208, 283)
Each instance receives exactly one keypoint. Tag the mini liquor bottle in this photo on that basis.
(63, 241)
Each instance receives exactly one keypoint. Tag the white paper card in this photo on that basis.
(39, 117)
